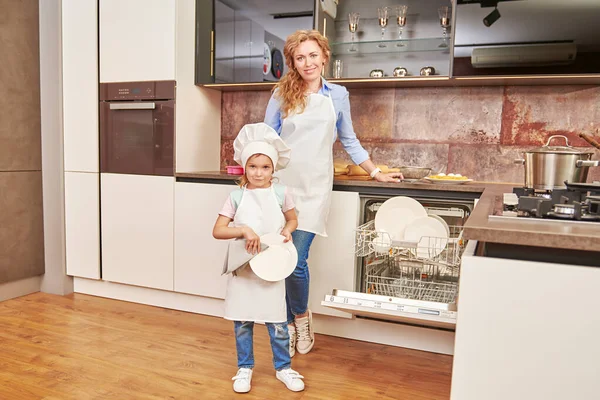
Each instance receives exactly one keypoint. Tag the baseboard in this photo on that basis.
(388, 333)
(151, 297)
(10, 290)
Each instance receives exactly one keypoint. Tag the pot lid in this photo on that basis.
(559, 149)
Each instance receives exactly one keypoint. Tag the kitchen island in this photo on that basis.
(527, 326)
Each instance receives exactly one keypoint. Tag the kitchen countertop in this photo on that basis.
(479, 226)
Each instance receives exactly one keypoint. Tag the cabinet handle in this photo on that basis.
(325, 26)
(133, 106)
(212, 53)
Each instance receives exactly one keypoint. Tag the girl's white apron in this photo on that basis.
(250, 298)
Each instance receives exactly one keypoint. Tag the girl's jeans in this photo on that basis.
(296, 285)
(280, 344)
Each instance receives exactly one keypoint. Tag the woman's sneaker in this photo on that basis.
(292, 379)
(241, 381)
(305, 336)
(292, 332)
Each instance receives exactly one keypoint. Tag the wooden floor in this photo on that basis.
(84, 347)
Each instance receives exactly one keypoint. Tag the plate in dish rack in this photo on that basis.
(447, 181)
(396, 213)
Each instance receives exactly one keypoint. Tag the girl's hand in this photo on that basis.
(287, 234)
(252, 240)
(391, 177)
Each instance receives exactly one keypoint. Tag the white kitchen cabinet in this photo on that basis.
(137, 230)
(82, 224)
(80, 84)
(331, 260)
(526, 330)
(198, 256)
(137, 40)
(198, 110)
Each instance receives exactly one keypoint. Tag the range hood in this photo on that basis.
(523, 56)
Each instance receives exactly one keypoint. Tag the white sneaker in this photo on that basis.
(291, 378)
(292, 332)
(305, 336)
(241, 381)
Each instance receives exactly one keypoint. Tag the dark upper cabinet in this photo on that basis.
(526, 37)
(205, 41)
(241, 41)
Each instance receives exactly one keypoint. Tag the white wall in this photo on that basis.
(55, 279)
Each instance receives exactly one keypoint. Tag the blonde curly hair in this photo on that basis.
(291, 87)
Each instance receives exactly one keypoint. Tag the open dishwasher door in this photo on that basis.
(409, 311)
(411, 282)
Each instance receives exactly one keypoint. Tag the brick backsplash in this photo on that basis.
(475, 131)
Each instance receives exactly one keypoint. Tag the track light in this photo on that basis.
(491, 18)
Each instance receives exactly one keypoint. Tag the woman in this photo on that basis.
(308, 113)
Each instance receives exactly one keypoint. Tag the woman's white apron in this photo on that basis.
(309, 174)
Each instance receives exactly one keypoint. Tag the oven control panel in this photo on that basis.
(146, 90)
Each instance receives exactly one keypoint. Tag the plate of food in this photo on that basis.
(450, 179)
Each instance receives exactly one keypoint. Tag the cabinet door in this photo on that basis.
(82, 224)
(137, 230)
(224, 42)
(198, 256)
(205, 42)
(80, 84)
(137, 40)
(331, 259)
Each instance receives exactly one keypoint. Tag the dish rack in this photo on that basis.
(427, 269)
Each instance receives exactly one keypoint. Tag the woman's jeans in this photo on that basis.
(280, 344)
(296, 285)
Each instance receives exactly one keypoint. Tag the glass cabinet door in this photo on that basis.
(391, 38)
(248, 37)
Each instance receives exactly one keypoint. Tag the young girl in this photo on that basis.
(256, 208)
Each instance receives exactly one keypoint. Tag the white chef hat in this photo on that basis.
(260, 138)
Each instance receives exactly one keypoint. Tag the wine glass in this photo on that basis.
(401, 19)
(382, 14)
(444, 13)
(353, 27)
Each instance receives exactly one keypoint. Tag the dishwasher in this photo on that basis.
(398, 283)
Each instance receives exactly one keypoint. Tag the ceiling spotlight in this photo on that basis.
(491, 18)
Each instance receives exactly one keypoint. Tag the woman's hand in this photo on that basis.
(288, 236)
(389, 177)
(252, 240)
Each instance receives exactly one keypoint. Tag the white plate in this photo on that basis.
(277, 262)
(442, 221)
(431, 235)
(396, 213)
(447, 181)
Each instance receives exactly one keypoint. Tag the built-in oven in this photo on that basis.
(137, 127)
(413, 282)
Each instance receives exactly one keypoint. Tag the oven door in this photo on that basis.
(137, 137)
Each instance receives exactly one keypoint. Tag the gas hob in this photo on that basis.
(578, 202)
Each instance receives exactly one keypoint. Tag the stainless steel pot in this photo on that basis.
(548, 167)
